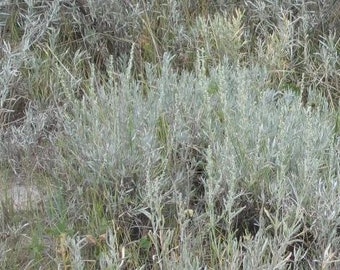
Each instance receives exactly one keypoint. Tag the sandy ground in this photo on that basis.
(21, 195)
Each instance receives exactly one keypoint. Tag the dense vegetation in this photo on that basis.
(169, 134)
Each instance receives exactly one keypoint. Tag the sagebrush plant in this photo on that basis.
(170, 134)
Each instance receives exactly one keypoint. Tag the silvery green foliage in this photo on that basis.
(257, 141)
(249, 128)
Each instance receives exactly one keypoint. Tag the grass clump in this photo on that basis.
(167, 134)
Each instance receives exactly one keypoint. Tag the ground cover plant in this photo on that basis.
(169, 134)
